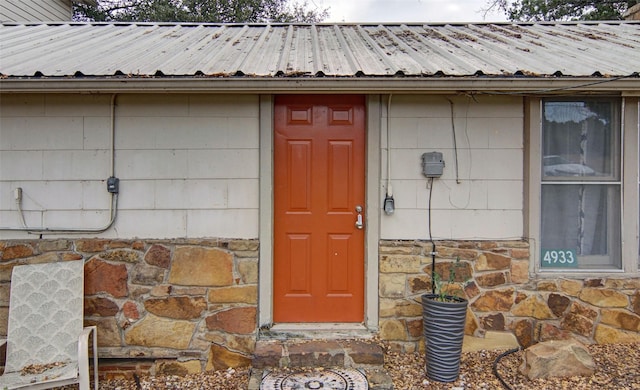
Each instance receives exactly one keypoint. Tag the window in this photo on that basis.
(581, 184)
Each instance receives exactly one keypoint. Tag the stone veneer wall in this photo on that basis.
(180, 305)
(494, 276)
(187, 305)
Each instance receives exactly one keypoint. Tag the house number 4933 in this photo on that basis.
(559, 258)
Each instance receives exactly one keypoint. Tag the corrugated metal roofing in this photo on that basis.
(332, 50)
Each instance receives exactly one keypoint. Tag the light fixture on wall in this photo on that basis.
(389, 203)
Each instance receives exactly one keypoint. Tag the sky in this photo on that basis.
(356, 11)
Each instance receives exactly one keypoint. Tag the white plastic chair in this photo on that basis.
(47, 345)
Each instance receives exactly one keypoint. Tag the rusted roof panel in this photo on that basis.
(332, 50)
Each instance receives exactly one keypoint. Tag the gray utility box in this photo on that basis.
(432, 164)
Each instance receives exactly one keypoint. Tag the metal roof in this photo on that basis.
(139, 50)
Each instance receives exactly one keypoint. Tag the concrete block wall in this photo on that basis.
(188, 164)
(488, 132)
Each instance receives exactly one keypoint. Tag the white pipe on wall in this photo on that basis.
(113, 207)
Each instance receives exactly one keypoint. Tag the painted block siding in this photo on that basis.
(488, 133)
(35, 10)
(494, 276)
(188, 164)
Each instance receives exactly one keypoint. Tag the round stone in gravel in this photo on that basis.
(325, 379)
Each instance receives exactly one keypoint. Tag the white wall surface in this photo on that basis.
(487, 200)
(35, 10)
(188, 164)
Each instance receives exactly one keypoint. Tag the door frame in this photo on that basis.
(373, 124)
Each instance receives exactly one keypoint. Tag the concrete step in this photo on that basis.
(318, 353)
(293, 354)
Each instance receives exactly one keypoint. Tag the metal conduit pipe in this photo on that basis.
(113, 206)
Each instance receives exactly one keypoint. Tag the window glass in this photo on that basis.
(581, 189)
(578, 140)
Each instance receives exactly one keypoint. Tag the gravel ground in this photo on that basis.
(617, 368)
(231, 379)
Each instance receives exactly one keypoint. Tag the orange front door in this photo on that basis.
(319, 181)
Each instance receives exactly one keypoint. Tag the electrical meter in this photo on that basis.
(432, 164)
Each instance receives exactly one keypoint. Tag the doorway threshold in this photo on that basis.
(311, 331)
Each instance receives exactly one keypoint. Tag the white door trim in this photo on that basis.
(265, 263)
(265, 235)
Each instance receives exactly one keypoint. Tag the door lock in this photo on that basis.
(359, 222)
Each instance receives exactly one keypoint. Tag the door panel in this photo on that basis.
(319, 180)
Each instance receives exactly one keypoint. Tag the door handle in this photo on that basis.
(359, 221)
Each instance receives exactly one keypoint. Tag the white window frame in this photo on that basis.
(630, 207)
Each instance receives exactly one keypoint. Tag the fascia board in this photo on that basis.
(627, 86)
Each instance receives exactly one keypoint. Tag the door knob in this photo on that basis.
(359, 221)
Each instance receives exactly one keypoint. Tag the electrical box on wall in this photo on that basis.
(113, 185)
(432, 164)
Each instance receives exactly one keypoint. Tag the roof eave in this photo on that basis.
(88, 2)
(629, 86)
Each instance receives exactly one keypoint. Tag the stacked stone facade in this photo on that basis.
(181, 306)
(494, 277)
